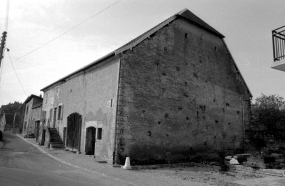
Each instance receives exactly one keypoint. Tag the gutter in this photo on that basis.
(115, 158)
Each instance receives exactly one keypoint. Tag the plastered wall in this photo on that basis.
(92, 94)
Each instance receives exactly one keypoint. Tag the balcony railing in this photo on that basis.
(278, 39)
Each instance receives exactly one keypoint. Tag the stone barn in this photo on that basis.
(170, 94)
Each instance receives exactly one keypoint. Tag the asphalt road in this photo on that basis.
(23, 164)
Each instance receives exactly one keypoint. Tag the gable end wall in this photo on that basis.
(180, 96)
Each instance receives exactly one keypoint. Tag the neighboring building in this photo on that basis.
(30, 117)
(18, 122)
(36, 118)
(170, 94)
(6, 122)
(278, 40)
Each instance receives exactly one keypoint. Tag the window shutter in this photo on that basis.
(61, 114)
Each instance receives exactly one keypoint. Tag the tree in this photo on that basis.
(11, 107)
(267, 112)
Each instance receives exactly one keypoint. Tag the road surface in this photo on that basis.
(23, 164)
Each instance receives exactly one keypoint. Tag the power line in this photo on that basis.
(16, 72)
(64, 32)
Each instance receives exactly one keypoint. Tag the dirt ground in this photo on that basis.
(200, 176)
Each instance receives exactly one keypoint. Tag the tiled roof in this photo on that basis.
(30, 97)
(184, 14)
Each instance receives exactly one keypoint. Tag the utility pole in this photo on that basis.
(3, 40)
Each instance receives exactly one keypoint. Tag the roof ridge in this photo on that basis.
(185, 13)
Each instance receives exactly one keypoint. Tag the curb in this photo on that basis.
(75, 166)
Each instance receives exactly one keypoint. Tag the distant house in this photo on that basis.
(31, 105)
(170, 94)
(6, 122)
(36, 118)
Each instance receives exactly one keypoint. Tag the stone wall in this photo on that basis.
(180, 96)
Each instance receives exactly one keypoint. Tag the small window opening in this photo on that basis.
(186, 35)
(99, 134)
(177, 69)
(111, 102)
(197, 114)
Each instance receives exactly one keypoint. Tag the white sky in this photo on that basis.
(247, 26)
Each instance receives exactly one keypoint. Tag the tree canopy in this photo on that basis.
(268, 112)
(11, 107)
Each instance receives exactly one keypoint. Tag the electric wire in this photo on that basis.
(16, 72)
(65, 32)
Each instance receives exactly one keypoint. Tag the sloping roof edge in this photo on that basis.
(237, 68)
(30, 97)
(81, 69)
(185, 13)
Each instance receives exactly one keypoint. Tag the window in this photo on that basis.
(27, 110)
(99, 134)
(59, 116)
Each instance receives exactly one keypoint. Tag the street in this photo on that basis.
(23, 164)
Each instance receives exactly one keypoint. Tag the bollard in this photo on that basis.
(127, 165)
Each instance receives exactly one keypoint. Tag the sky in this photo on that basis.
(90, 29)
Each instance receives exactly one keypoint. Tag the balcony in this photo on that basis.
(278, 39)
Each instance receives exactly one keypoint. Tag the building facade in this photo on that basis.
(6, 122)
(31, 102)
(170, 94)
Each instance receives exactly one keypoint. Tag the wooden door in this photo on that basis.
(37, 129)
(43, 137)
(90, 141)
(74, 131)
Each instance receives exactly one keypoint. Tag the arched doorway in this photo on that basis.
(90, 141)
(74, 122)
